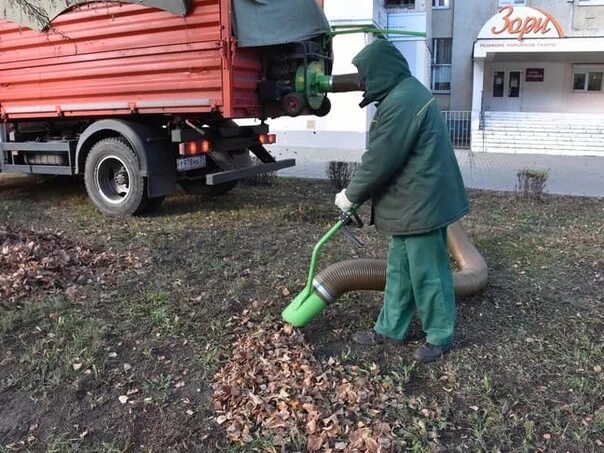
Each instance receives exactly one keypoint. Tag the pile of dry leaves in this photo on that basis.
(274, 386)
(33, 264)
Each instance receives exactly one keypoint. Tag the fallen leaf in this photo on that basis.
(314, 443)
(221, 419)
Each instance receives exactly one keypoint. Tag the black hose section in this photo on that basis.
(344, 83)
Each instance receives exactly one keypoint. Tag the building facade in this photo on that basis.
(520, 76)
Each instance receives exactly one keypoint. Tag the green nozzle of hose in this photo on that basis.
(308, 304)
(303, 309)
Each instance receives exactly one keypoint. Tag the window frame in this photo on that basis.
(434, 64)
(586, 71)
(446, 4)
(400, 4)
(590, 2)
(511, 2)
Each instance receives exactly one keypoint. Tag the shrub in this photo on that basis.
(340, 173)
(531, 183)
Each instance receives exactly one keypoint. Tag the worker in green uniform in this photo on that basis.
(410, 173)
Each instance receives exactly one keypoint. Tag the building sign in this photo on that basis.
(483, 47)
(521, 22)
(534, 75)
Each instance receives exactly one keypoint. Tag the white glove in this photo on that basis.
(342, 201)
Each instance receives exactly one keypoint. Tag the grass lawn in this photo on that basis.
(528, 372)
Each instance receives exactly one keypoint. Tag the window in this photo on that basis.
(511, 2)
(408, 4)
(498, 84)
(588, 79)
(441, 65)
(440, 4)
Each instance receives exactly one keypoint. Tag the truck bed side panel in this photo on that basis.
(104, 59)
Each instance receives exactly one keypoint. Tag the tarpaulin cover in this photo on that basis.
(269, 22)
(37, 14)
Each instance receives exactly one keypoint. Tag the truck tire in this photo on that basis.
(324, 109)
(113, 178)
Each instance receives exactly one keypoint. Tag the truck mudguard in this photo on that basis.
(154, 152)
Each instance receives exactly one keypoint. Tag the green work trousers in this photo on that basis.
(419, 277)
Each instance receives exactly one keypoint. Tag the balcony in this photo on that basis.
(410, 20)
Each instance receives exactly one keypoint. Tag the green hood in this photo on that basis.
(382, 67)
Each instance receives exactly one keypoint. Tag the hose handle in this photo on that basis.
(351, 217)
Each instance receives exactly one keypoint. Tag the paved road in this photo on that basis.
(568, 175)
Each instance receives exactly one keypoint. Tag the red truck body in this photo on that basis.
(111, 59)
(139, 99)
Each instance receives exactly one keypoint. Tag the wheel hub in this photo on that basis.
(121, 178)
(112, 179)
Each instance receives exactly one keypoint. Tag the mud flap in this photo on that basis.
(231, 175)
(155, 153)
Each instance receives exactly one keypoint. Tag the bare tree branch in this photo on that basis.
(33, 9)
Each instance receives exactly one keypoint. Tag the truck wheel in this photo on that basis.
(293, 104)
(324, 109)
(113, 178)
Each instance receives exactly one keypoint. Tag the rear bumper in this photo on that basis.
(232, 175)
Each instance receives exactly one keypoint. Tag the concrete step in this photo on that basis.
(551, 143)
(535, 115)
(545, 128)
(562, 134)
(544, 148)
(493, 149)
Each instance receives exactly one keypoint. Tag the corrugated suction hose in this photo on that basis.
(370, 274)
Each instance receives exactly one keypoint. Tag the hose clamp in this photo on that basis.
(323, 292)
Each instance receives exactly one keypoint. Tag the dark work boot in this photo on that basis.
(371, 337)
(429, 352)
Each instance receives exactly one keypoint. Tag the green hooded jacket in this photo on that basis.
(409, 169)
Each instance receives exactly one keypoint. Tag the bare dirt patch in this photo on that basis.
(527, 373)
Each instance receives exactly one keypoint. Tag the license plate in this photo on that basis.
(191, 163)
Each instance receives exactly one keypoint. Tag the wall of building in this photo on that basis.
(468, 17)
(553, 95)
(413, 48)
(588, 20)
(350, 12)
(442, 22)
(562, 10)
